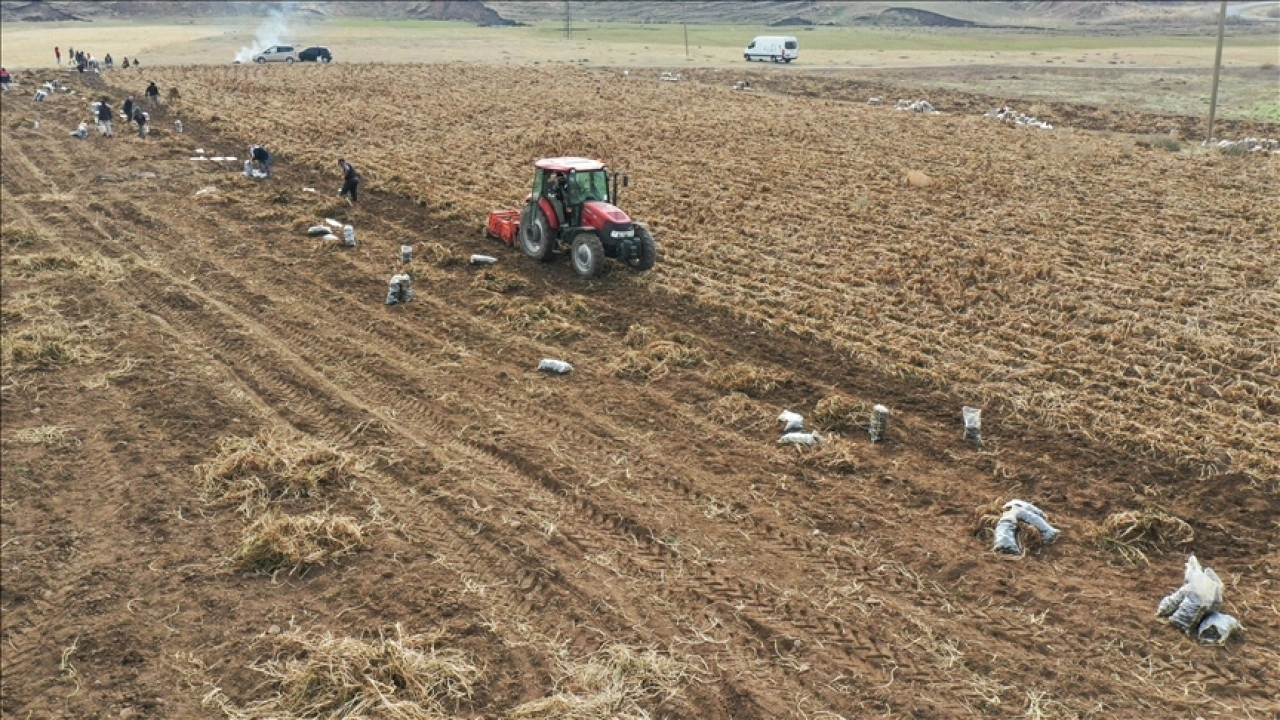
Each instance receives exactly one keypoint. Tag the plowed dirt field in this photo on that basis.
(236, 484)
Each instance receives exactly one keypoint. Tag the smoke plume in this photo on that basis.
(271, 32)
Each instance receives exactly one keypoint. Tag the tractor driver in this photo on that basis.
(558, 192)
(572, 203)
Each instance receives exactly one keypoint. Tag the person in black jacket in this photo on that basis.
(128, 108)
(259, 155)
(153, 95)
(350, 181)
(104, 118)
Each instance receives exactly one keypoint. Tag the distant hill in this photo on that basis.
(939, 13)
(473, 11)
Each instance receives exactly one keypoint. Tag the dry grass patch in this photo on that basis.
(745, 378)
(545, 318)
(833, 455)
(612, 684)
(653, 358)
(439, 255)
(274, 541)
(92, 267)
(274, 465)
(392, 675)
(48, 435)
(838, 413)
(44, 347)
(1131, 534)
(738, 411)
(497, 281)
(13, 237)
(33, 265)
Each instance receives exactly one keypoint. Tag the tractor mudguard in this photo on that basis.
(549, 213)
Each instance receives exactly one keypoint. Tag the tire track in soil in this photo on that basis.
(512, 461)
(307, 417)
(743, 593)
(740, 594)
(938, 599)
(612, 528)
(230, 341)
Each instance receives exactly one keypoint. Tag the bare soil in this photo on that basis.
(524, 518)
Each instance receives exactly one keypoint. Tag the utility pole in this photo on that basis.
(568, 21)
(1217, 69)
(684, 13)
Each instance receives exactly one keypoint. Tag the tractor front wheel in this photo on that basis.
(648, 251)
(588, 254)
(535, 234)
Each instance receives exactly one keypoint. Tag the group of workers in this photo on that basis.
(262, 160)
(86, 61)
(132, 113)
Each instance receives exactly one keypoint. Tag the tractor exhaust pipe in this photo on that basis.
(613, 192)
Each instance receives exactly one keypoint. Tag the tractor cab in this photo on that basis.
(571, 209)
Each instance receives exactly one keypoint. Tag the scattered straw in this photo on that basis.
(838, 413)
(738, 411)
(50, 435)
(276, 464)
(745, 378)
(611, 684)
(656, 358)
(834, 455)
(1132, 534)
(296, 541)
(315, 675)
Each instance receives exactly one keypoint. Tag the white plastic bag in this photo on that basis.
(400, 289)
(1217, 629)
(1199, 597)
(972, 424)
(1020, 511)
(799, 438)
(791, 421)
(559, 367)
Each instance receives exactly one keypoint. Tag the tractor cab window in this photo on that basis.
(539, 183)
(593, 185)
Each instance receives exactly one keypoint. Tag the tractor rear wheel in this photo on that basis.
(648, 251)
(535, 234)
(588, 254)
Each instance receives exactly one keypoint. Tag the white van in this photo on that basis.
(778, 48)
(277, 53)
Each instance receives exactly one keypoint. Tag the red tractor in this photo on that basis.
(570, 211)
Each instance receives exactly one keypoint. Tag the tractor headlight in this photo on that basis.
(622, 233)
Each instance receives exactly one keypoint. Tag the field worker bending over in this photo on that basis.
(262, 158)
(104, 118)
(140, 118)
(5, 79)
(153, 95)
(128, 108)
(350, 181)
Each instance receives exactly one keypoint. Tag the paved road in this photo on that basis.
(1237, 10)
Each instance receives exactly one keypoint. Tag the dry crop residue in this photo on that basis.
(626, 539)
